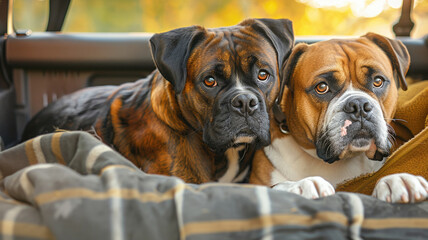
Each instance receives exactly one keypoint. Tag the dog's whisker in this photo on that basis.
(395, 120)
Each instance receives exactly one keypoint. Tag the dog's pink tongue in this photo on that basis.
(343, 130)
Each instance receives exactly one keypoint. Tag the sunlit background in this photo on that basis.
(310, 17)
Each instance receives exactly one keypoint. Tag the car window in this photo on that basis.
(310, 17)
(30, 14)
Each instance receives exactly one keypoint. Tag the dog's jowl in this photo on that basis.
(209, 98)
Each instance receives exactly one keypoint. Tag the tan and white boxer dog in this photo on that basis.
(337, 101)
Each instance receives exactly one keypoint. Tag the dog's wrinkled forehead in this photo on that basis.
(228, 51)
(345, 62)
(171, 51)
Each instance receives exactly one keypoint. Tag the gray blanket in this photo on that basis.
(69, 185)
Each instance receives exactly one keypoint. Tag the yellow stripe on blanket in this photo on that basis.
(34, 151)
(25, 230)
(394, 223)
(56, 147)
(123, 193)
(251, 224)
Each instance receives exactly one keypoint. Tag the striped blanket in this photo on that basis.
(71, 186)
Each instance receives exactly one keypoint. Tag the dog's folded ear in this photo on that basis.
(396, 52)
(279, 32)
(292, 61)
(286, 75)
(171, 50)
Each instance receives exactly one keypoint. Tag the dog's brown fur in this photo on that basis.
(169, 122)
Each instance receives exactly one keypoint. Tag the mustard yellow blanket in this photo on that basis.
(410, 153)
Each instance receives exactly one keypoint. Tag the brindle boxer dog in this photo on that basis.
(339, 97)
(209, 98)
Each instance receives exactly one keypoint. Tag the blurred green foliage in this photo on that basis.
(163, 15)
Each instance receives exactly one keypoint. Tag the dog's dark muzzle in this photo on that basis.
(360, 128)
(239, 117)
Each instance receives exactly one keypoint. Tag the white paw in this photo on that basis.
(401, 188)
(310, 187)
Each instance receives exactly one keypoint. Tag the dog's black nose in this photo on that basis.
(245, 103)
(358, 107)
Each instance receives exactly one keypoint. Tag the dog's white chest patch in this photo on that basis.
(233, 157)
(293, 163)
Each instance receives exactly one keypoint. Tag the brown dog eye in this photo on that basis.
(321, 88)
(263, 75)
(210, 82)
(378, 82)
